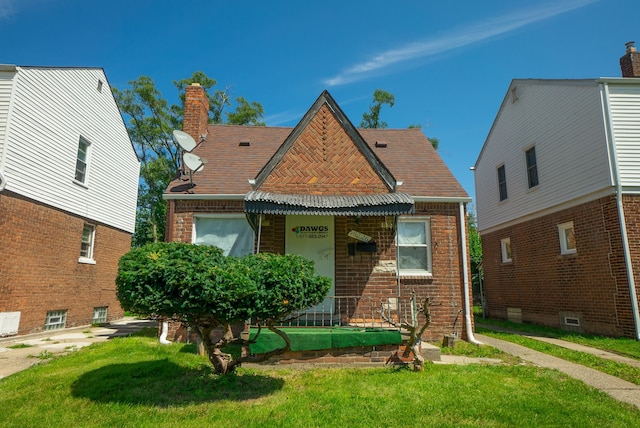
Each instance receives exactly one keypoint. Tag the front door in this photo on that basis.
(313, 237)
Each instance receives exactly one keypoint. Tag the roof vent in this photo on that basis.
(245, 143)
(381, 144)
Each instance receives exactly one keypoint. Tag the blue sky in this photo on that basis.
(447, 63)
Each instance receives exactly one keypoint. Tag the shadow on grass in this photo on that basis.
(163, 383)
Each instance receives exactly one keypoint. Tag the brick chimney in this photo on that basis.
(196, 111)
(630, 62)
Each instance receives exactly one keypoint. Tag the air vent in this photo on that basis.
(381, 144)
(574, 322)
(245, 143)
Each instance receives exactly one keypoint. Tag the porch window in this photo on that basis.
(231, 233)
(414, 246)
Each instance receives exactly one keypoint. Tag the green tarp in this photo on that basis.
(315, 339)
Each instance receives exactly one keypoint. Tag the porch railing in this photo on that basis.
(358, 312)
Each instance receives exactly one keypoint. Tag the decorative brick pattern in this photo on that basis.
(324, 161)
(39, 268)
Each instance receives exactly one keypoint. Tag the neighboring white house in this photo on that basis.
(558, 203)
(67, 197)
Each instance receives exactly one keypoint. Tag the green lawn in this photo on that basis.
(136, 382)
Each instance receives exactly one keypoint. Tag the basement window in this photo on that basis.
(99, 315)
(55, 320)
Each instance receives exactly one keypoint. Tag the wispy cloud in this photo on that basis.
(468, 35)
(286, 117)
(7, 8)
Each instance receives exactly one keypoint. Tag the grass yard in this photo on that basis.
(619, 345)
(136, 382)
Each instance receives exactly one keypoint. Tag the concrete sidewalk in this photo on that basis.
(60, 342)
(617, 388)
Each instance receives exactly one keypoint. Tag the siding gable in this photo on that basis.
(624, 102)
(325, 155)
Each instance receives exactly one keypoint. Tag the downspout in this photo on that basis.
(465, 277)
(259, 233)
(623, 224)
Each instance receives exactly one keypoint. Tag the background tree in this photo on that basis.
(371, 119)
(475, 253)
(434, 141)
(198, 286)
(150, 121)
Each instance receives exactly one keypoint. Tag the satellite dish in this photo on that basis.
(184, 140)
(193, 162)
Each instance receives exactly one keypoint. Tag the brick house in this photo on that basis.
(63, 222)
(558, 200)
(376, 209)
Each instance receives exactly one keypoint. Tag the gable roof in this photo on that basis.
(237, 154)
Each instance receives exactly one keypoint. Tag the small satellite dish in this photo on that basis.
(184, 140)
(193, 162)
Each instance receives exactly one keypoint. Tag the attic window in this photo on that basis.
(514, 94)
(245, 143)
(381, 144)
(99, 85)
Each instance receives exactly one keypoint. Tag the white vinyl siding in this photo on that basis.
(624, 102)
(6, 85)
(564, 120)
(51, 109)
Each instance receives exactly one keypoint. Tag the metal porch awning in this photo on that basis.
(257, 202)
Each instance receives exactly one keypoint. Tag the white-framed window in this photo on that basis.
(55, 320)
(567, 238)
(505, 249)
(82, 162)
(86, 244)
(502, 182)
(413, 240)
(532, 167)
(230, 232)
(99, 315)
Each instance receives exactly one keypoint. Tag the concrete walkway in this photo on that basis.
(619, 389)
(59, 342)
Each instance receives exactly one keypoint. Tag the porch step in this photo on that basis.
(430, 352)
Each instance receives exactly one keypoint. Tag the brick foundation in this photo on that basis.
(39, 268)
(591, 285)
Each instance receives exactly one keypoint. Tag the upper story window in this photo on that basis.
(502, 182)
(86, 245)
(532, 167)
(82, 161)
(414, 246)
(567, 238)
(505, 247)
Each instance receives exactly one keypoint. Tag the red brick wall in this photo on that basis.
(372, 274)
(39, 269)
(543, 283)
